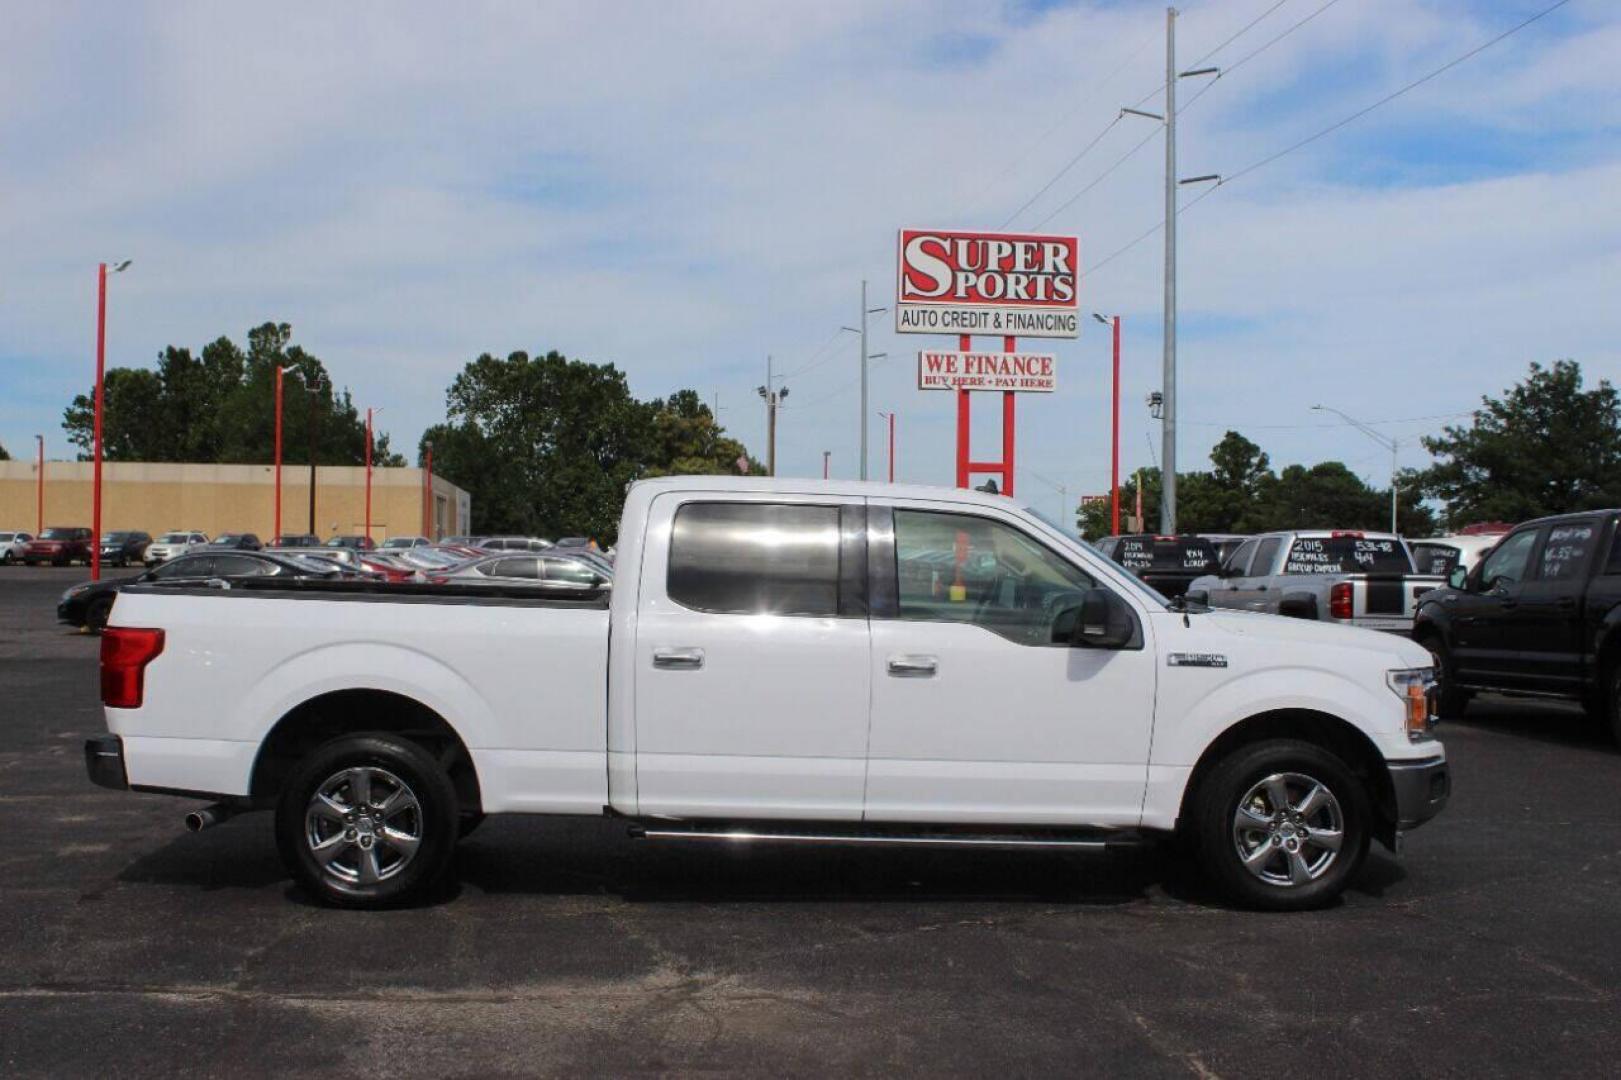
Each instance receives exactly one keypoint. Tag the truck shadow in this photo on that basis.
(518, 857)
(1555, 722)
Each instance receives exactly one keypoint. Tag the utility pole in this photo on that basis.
(861, 330)
(1167, 514)
(827, 458)
(1168, 375)
(772, 397)
(314, 401)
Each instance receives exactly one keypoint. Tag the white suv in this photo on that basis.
(11, 545)
(171, 544)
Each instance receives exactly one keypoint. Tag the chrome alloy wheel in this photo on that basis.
(363, 825)
(1288, 829)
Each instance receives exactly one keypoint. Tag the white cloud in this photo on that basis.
(683, 188)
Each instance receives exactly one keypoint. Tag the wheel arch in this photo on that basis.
(1342, 738)
(352, 711)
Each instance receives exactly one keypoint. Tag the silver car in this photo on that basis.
(171, 544)
(555, 571)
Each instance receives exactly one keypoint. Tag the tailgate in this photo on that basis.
(1388, 601)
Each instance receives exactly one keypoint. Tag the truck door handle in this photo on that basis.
(678, 659)
(913, 667)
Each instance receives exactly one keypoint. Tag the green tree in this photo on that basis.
(1546, 447)
(219, 407)
(4, 455)
(546, 445)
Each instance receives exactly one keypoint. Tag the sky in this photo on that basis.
(686, 189)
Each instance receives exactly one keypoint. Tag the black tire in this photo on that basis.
(431, 818)
(96, 615)
(1450, 699)
(1325, 873)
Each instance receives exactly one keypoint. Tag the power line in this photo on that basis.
(1060, 174)
(1251, 55)
(1360, 113)
(1247, 28)
(1104, 175)
(812, 361)
(1061, 121)
(1449, 65)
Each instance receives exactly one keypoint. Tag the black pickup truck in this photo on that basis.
(1538, 616)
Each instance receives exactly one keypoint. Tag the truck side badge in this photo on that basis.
(1196, 659)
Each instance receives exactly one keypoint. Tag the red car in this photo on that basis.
(59, 545)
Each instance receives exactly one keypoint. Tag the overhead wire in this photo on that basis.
(1308, 140)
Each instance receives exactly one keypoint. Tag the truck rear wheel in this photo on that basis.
(1281, 825)
(367, 821)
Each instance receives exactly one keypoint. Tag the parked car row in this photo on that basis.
(190, 558)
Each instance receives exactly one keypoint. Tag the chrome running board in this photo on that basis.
(980, 841)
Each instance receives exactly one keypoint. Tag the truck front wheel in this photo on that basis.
(367, 821)
(1281, 825)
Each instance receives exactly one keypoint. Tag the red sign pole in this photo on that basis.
(891, 448)
(964, 342)
(368, 474)
(1009, 344)
(101, 371)
(39, 490)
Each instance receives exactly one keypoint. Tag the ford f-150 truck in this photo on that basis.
(779, 660)
(1355, 578)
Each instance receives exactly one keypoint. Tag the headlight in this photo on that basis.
(1416, 688)
(75, 591)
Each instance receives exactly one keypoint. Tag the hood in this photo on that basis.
(1402, 652)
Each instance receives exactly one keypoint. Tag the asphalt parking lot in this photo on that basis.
(1492, 947)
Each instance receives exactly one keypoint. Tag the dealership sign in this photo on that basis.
(948, 369)
(1009, 284)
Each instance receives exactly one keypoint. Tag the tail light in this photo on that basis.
(125, 652)
(1339, 600)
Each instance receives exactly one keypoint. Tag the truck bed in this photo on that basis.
(520, 670)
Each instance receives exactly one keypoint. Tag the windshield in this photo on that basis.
(175, 538)
(114, 537)
(1070, 537)
(1347, 555)
(1188, 554)
(311, 565)
(57, 534)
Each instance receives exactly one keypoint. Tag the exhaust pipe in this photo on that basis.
(198, 820)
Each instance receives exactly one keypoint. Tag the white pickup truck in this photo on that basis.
(779, 661)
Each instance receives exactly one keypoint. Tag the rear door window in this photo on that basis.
(1436, 559)
(512, 568)
(755, 558)
(1347, 555)
(1569, 545)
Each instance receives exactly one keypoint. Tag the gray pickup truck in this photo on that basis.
(1354, 578)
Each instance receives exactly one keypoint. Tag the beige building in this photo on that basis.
(161, 497)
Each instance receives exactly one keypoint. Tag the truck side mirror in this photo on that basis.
(1101, 621)
(1459, 578)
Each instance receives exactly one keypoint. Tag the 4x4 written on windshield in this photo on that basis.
(1347, 555)
(1138, 554)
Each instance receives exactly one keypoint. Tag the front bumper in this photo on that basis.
(1421, 788)
(104, 761)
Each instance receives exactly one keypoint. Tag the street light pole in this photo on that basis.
(827, 457)
(369, 412)
(427, 493)
(1114, 449)
(39, 491)
(772, 397)
(1389, 442)
(890, 417)
(101, 374)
